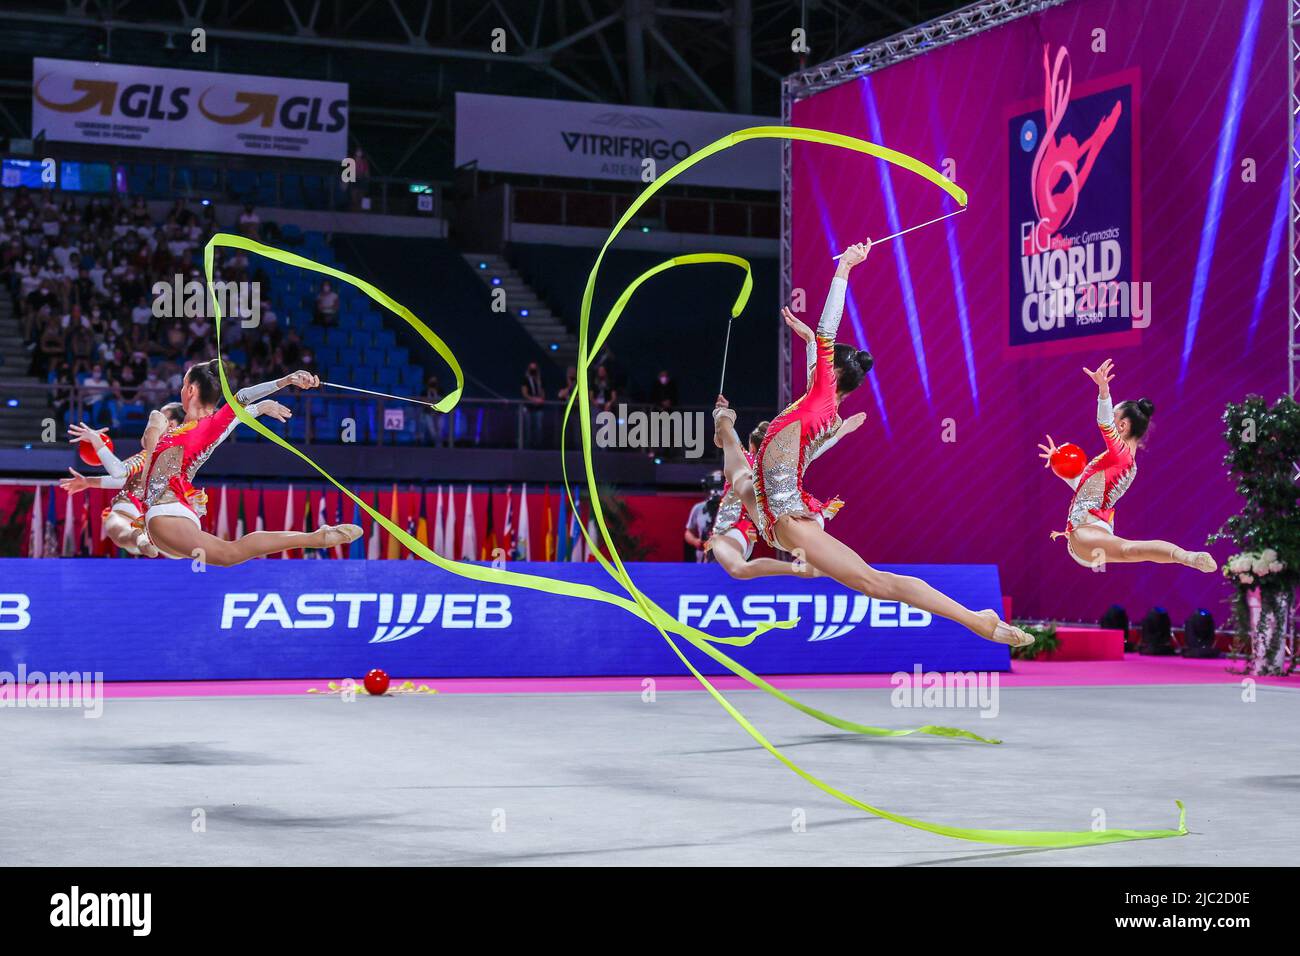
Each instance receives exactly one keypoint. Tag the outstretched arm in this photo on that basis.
(253, 393)
(833, 311)
(83, 432)
(847, 427)
(79, 482)
(1048, 451)
(1105, 409)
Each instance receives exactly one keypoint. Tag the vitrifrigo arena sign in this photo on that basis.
(514, 134)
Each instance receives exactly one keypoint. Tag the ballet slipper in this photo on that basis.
(1004, 633)
(333, 535)
(722, 413)
(146, 547)
(1200, 560)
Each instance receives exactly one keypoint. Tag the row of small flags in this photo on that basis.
(562, 541)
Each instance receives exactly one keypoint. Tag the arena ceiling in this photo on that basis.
(405, 59)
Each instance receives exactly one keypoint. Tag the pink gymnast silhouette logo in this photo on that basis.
(1061, 166)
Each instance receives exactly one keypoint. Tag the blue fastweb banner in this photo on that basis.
(271, 619)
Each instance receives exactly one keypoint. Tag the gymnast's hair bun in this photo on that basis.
(1146, 407)
(864, 360)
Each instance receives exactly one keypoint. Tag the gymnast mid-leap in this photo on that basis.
(791, 519)
(732, 538)
(173, 456)
(1090, 528)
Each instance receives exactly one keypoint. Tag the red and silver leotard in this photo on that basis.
(731, 513)
(798, 434)
(128, 477)
(1103, 480)
(181, 452)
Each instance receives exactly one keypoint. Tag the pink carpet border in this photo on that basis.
(1134, 670)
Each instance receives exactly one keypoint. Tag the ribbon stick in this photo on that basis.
(903, 232)
(366, 391)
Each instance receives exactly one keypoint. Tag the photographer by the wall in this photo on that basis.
(699, 525)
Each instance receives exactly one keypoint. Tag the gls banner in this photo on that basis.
(105, 103)
(161, 620)
(514, 134)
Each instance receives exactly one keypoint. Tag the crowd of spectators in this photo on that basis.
(82, 275)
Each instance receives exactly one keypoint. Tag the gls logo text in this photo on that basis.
(833, 616)
(14, 615)
(399, 615)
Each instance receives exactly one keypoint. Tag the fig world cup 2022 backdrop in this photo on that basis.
(1137, 148)
(1072, 231)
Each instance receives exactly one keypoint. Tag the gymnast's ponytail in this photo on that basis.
(1138, 414)
(851, 366)
(206, 379)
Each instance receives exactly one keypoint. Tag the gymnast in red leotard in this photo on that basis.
(1090, 529)
(174, 456)
(123, 519)
(731, 540)
(772, 490)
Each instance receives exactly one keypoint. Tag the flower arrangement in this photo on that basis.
(1263, 452)
(1250, 567)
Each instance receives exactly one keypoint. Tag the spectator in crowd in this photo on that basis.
(603, 394)
(95, 395)
(433, 424)
(250, 224)
(533, 409)
(327, 305)
(359, 190)
(570, 383)
(153, 391)
(663, 394)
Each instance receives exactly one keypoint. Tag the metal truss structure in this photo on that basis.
(963, 23)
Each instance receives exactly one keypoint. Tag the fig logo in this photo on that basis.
(833, 616)
(1063, 162)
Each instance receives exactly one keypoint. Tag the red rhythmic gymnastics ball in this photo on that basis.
(1068, 461)
(376, 682)
(87, 450)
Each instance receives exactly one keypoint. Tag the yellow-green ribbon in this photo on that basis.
(1011, 837)
(650, 612)
(640, 605)
(742, 299)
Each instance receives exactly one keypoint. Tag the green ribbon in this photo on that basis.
(1042, 838)
(639, 604)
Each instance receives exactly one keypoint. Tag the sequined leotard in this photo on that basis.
(1103, 480)
(797, 435)
(181, 452)
(128, 477)
(731, 514)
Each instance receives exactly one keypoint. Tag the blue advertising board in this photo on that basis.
(163, 620)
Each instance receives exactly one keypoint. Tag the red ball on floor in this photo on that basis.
(376, 682)
(87, 450)
(1068, 461)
